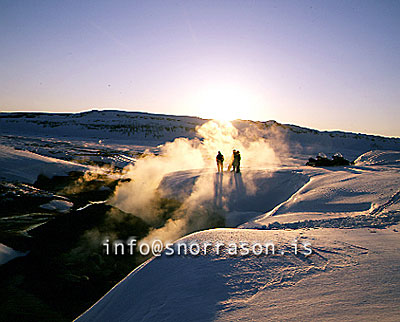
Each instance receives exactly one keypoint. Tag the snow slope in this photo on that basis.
(343, 191)
(351, 275)
(24, 166)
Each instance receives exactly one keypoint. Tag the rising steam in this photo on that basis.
(204, 206)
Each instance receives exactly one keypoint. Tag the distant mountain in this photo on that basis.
(153, 129)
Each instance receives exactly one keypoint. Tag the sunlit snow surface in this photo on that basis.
(352, 274)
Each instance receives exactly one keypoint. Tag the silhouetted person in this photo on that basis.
(236, 161)
(231, 162)
(220, 161)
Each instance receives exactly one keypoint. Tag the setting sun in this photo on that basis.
(226, 103)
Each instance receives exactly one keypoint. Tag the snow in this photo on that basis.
(332, 193)
(352, 274)
(360, 282)
(244, 195)
(7, 254)
(61, 206)
(103, 126)
(25, 166)
(377, 157)
(121, 127)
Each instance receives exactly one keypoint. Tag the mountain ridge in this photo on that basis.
(6, 117)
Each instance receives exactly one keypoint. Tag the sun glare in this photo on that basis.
(226, 103)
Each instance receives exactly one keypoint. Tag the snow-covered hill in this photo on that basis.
(140, 128)
(101, 125)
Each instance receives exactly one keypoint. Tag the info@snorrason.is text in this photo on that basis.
(193, 248)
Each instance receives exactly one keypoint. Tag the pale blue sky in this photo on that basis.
(322, 64)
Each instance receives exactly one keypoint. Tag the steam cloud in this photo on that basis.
(206, 202)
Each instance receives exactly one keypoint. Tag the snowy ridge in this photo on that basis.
(100, 125)
(153, 129)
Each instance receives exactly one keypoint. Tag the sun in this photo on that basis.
(225, 103)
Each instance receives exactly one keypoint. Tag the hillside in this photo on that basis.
(147, 129)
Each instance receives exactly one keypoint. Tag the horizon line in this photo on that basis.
(199, 117)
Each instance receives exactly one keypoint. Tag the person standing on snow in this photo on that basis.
(236, 161)
(220, 162)
(231, 162)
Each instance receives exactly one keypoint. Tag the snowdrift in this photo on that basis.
(377, 157)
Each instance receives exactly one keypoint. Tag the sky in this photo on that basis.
(329, 65)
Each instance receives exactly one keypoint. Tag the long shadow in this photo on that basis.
(240, 187)
(218, 189)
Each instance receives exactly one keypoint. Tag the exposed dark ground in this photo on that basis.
(65, 271)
